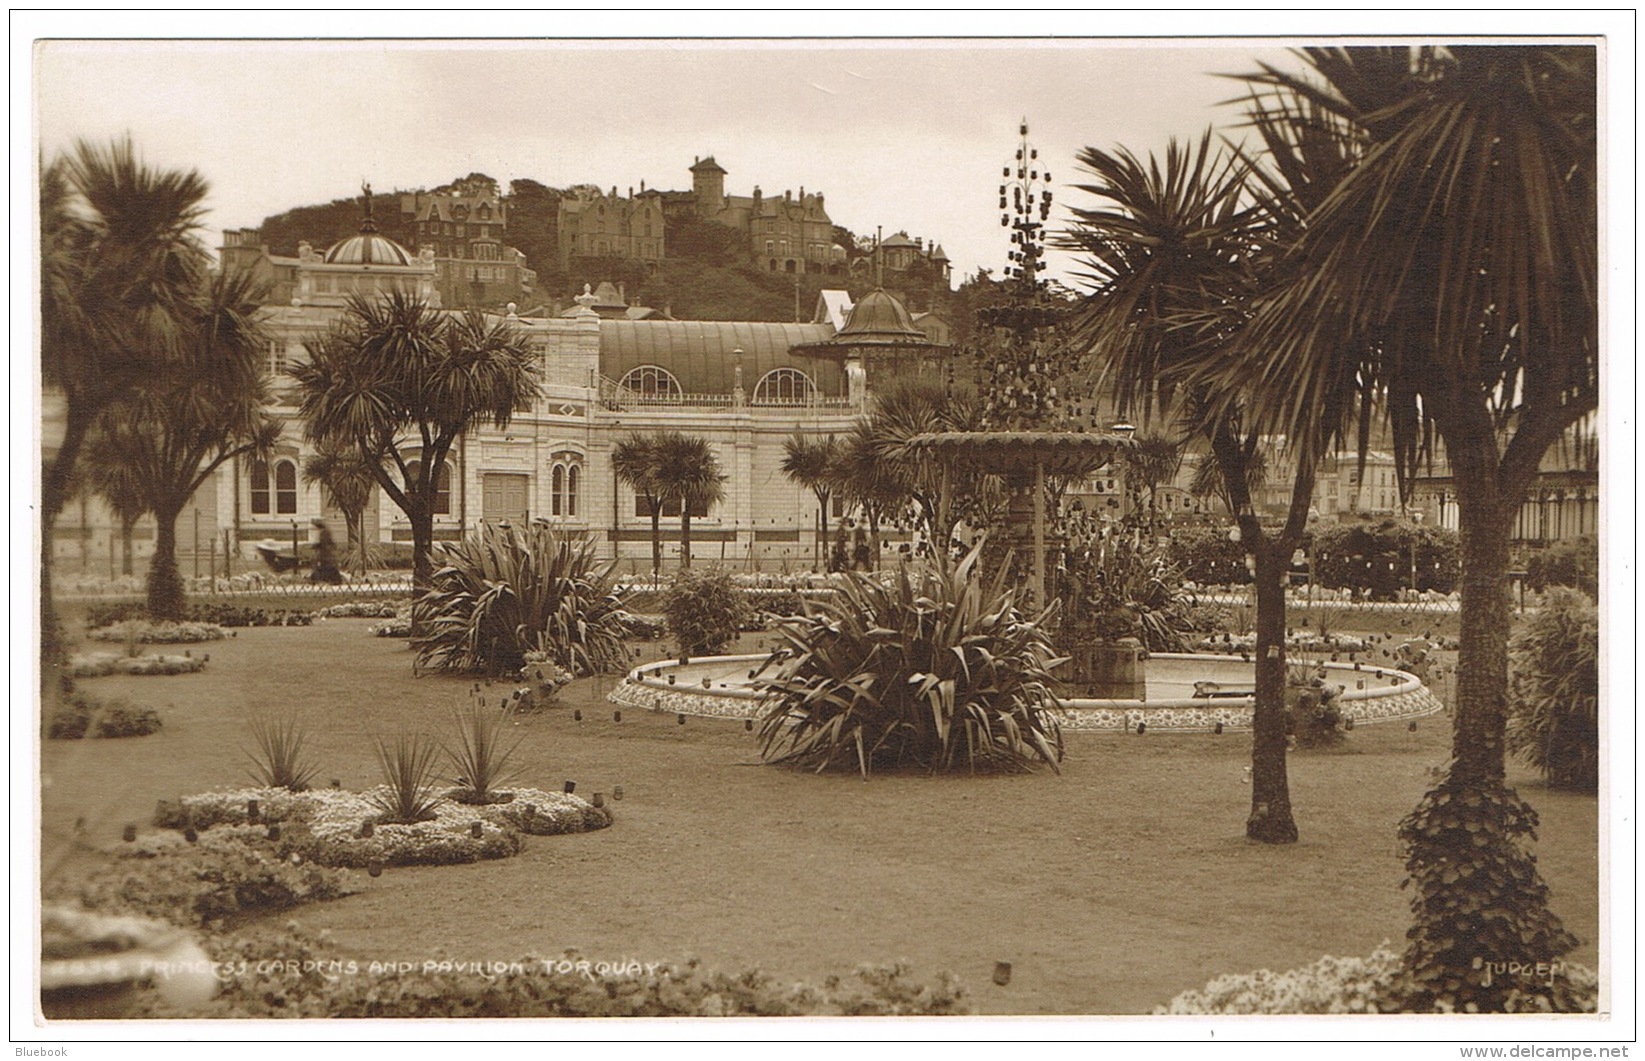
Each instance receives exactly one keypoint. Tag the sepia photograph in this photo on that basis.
(948, 522)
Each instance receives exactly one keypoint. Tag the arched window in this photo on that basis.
(259, 489)
(556, 491)
(442, 486)
(652, 381)
(564, 482)
(784, 386)
(285, 487)
(573, 480)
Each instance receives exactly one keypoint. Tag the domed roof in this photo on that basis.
(879, 317)
(368, 248)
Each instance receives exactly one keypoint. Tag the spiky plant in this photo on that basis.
(1554, 692)
(482, 756)
(507, 591)
(933, 668)
(407, 764)
(278, 760)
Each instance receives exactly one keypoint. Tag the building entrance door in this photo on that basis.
(503, 497)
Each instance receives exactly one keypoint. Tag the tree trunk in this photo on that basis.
(656, 541)
(1477, 747)
(1270, 821)
(422, 564)
(165, 585)
(356, 522)
(685, 536)
(874, 539)
(126, 526)
(822, 509)
(54, 491)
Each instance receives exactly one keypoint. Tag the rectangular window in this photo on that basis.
(670, 509)
(276, 357)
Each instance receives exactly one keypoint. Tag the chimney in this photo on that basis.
(631, 191)
(788, 195)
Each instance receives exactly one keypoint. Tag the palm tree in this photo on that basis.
(942, 493)
(870, 484)
(1459, 262)
(121, 267)
(397, 383)
(634, 463)
(688, 472)
(108, 474)
(1175, 264)
(812, 463)
(1152, 460)
(1207, 485)
(179, 426)
(350, 480)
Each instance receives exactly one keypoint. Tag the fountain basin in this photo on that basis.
(1370, 694)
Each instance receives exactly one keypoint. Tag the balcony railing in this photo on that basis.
(614, 397)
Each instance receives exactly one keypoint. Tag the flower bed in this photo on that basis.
(328, 826)
(83, 715)
(98, 664)
(379, 609)
(1356, 985)
(146, 632)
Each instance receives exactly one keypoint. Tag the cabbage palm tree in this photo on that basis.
(398, 382)
(178, 426)
(688, 472)
(349, 478)
(813, 464)
(870, 484)
(1458, 264)
(107, 474)
(634, 463)
(1175, 263)
(1152, 460)
(121, 268)
(1464, 249)
(942, 494)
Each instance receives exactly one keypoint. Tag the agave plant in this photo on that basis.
(506, 591)
(278, 760)
(407, 763)
(482, 757)
(930, 667)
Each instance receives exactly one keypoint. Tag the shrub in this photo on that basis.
(1313, 713)
(1114, 586)
(1206, 556)
(1553, 722)
(1477, 899)
(407, 763)
(1375, 559)
(278, 760)
(506, 591)
(82, 714)
(929, 667)
(1574, 563)
(705, 610)
(481, 756)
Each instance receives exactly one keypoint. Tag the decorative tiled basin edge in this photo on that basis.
(1388, 695)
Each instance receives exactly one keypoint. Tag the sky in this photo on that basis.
(908, 135)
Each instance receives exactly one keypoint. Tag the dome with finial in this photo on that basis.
(880, 318)
(369, 247)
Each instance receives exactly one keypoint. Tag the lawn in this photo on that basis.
(1110, 888)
